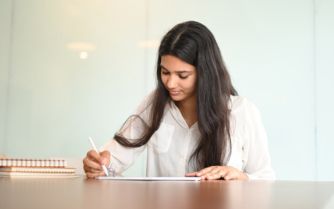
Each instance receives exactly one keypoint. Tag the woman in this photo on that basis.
(193, 124)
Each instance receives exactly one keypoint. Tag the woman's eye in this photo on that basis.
(165, 73)
(183, 76)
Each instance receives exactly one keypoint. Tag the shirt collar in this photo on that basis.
(177, 115)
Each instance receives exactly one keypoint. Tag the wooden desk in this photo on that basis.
(80, 193)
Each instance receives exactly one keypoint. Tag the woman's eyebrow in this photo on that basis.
(163, 67)
(178, 71)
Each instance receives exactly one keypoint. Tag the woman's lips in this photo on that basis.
(174, 93)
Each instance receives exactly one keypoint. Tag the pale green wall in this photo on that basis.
(278, 52)
(324, 54)
(268, 48)
(5, 41)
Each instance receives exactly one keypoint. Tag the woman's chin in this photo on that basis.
(176, 98)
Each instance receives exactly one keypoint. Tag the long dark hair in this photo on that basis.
(193, 43)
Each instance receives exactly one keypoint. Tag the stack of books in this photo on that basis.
(24, 167)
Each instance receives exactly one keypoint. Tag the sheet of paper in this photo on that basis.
(149, 178)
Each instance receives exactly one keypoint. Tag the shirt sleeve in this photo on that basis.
(122, 157)
(258, 165)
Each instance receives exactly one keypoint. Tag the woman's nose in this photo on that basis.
(171, 82)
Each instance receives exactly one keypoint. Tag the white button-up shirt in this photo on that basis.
(170, 147)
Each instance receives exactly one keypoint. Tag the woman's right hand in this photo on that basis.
(92, 163)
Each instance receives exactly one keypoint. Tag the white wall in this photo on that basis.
(278, 53)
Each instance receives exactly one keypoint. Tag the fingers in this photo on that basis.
(105, 158)
(212, 172)
(206, 171)
(200, 173)
(92, 163)
(219, 172)
(236, 175)
(92, 160)
(231, 176)
(216, 172)
(94, 174)
(191, 174)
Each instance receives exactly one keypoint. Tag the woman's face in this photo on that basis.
(178, 77)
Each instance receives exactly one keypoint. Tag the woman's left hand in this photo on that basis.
(220, 172)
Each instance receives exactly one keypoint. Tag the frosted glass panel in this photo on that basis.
(5, 41)
(270, 56)
(76, 72)
(325, 86)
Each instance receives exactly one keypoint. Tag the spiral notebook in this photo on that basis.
(24, 167)
(31, 162)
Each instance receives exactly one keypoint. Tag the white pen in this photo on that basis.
(94, 147)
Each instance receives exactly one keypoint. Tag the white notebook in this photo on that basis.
(149, 178)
